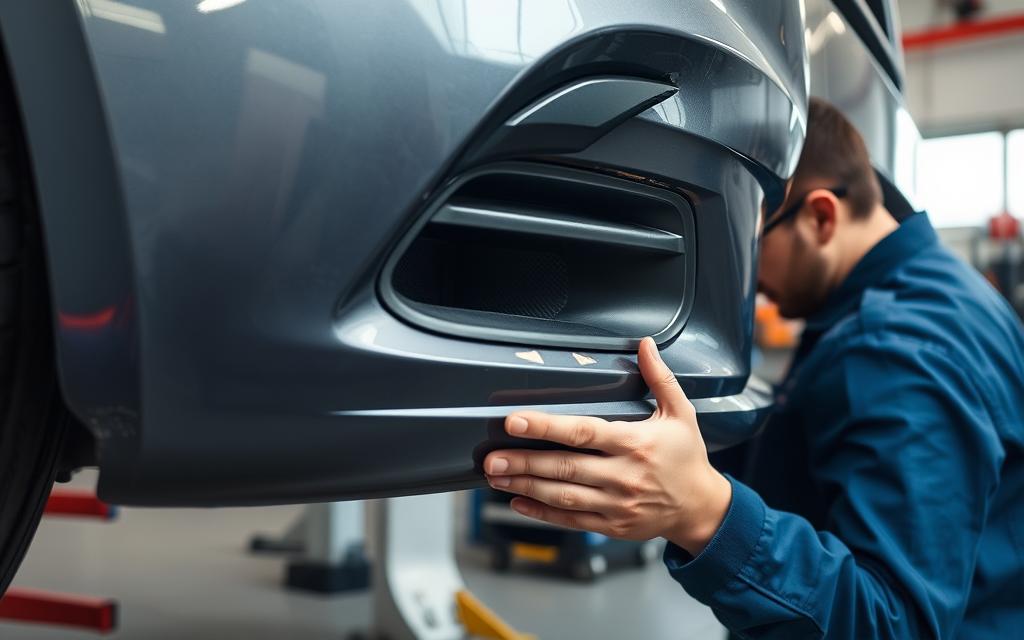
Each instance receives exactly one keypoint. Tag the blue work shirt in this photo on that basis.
(885, 497)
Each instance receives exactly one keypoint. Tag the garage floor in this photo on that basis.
(185, 574)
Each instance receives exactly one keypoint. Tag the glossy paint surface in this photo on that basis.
(265, 158)
(844, 72)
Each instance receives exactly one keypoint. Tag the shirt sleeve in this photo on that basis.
(905, 463)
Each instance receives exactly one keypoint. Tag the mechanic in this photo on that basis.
(885, 496)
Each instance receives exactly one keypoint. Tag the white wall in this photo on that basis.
(968, 86)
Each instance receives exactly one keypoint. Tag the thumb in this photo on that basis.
(660, 379)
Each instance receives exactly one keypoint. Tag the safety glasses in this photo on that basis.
(791, 210)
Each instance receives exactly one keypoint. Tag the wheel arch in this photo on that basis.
(76, 186)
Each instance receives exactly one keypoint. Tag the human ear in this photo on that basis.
(823, 210)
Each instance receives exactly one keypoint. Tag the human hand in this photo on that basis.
(651, 478)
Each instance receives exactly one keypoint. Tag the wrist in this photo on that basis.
(700, 523)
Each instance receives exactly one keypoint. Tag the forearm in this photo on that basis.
(769, 574)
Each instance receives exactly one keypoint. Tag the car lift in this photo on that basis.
(418, 592)
(416, 588)
(34, 605)
(326, 542)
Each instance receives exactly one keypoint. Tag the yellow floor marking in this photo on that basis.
(482, 622)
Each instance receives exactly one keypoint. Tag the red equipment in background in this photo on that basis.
(1003, 227)
(998, 252)
(963, 31)
(44, 607)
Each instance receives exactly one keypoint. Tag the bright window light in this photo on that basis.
(960, 178)
(1015, 172)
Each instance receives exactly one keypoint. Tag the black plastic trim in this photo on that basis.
(585, 337)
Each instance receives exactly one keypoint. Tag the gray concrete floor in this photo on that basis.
(185, 573)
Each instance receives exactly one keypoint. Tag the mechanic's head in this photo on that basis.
(833, 206)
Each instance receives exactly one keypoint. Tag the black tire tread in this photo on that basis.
(33, 418)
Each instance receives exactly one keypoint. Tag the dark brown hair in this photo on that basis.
(835, 152)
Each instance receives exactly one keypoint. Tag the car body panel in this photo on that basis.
(240, 175)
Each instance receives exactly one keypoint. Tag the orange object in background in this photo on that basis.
(772, 331)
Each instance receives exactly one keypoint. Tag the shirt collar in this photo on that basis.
(914, 234)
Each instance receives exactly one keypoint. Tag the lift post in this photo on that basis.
(418, 592)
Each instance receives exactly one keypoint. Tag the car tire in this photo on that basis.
(33, 418)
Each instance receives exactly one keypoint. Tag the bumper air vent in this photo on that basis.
(542, 255)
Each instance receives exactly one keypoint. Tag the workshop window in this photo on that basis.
(960, 179)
